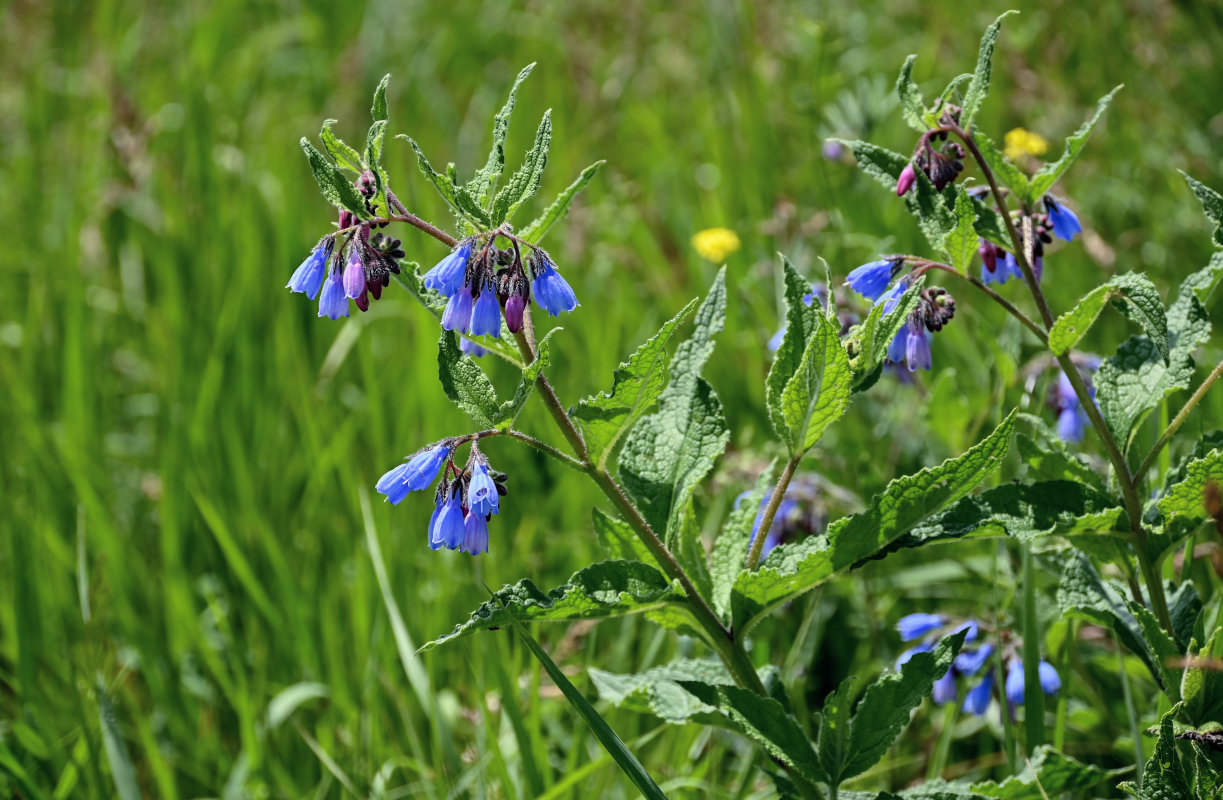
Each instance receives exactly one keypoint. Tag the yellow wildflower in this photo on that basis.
(715, 244)
(1020, 142)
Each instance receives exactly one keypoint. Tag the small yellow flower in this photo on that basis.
(1020, 142)
(715, 244)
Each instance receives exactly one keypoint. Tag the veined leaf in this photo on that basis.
(657, 691)
(1047, 175)
(465, 383)
(484, 184)
(1185, 499)
(619, 538)
(1048, 773)
(524, 183)
(668, 453)
(978, 88)
(801, 322)
(1212, 204)
(508, 413)
(765, 720)
(606, 589)
(1137, 378)
(537, 229)
(818, 392)
(636, 384)
(869, 342)
(373, 146)
(792, 569)
(1137, 298)
(456, 197)
(960, 243)
(1011, 176)
(1164, 777)
(1049, 459)
(912, 107)
(378, 110)
(934, 214)
(336, 189)
(345, 156)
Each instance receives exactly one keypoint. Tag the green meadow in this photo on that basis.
(200, 593)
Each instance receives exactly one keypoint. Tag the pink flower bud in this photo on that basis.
(906, 181)
(514, 308)
(354, 276)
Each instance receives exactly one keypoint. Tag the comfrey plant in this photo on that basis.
(656, 433)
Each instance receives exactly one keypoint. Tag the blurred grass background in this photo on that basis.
(188, 450)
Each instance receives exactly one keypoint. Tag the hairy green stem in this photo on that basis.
(543, 447)
(1178, 420)
(770, 511)
(1125, 479)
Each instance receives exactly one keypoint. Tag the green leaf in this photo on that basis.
(883, 712)
(606, 589)
(765, 720)
(484, 184)
(458, 198)
(730, 547)
(1011, 176)
(538, 228)
(1164, 652)
(668, 453)
(1164, 777)
(1186, 498)
(1134, 295)
(833, 740)
(619, 538)
(978, 88)
(373, 147)
(960, 243)
(657, 691)
(912, 107)
(1084, 593)
(122, 771)
(345, 156)
(465, 383)
(1212, 204)
(507, 415)
(607, 737)
(336, 189)
(933, 209)
(801, 322)
(1137, 378)
(868, 342)
(378, 110)
(1047, 773)
(1049, 459)
(792, 569)
(1047, 175)
(524, 183)
(818, 393)
(636, 385)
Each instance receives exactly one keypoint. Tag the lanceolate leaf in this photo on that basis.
(765, 720)
(911, 105)
(666, 454)
(1133, 381)
(345, 156)
(508, 414)
(524, 183)
(818, 393)
(1134, 294)
(373, 146)
(978, 88)
(1212, 204)
(606, 589)
(336, 188)
(1047, 175)
(792, 569)
(883, 713)
(457, 197)
(465, 383)
(484, 184)
(801, 322)
(636, 384)
(960, 243)
(378, 110)
(538, 229)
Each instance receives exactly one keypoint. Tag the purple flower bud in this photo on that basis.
(346, 219)
(362, 300)
(354, 276)
(515, 305)
(907, 178)
(989, 257)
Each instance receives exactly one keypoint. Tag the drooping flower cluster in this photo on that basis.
(465, 499)
(799, 514)
(998, 265)
(484, 284)
(935, 308)
(969, 663)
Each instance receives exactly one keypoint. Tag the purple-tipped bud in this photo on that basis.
(346, 219)
(354, 276)
(907, 178)
(367, 185)
(515, 305)
(989, 256)
(362, 300)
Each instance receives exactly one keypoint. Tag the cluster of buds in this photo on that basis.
(999, 265)
(484, 284)
(971, 662)
(941, 160)
(465, 501)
